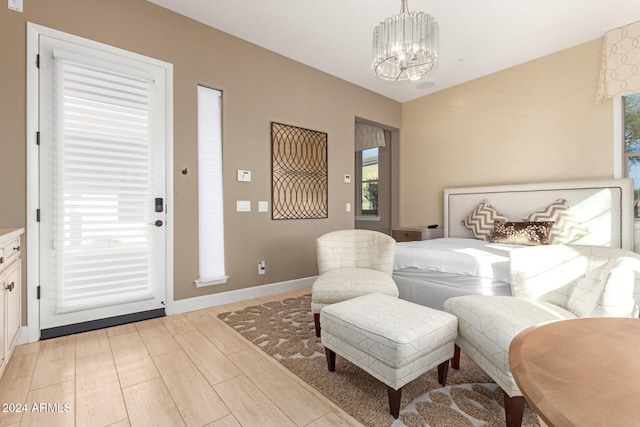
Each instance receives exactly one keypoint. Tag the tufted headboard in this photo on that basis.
(604, 206)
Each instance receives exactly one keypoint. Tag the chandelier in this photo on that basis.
(405, 46)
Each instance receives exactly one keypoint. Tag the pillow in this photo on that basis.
(522, 233)
(480, 220)
(567, 227)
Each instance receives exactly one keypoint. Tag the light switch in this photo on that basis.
(243, 205)
(15, 5)
(263, 206)
(348, 207)
(347, 179)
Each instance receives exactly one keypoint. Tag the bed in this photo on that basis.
(431, 271)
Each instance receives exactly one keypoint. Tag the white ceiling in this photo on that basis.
(476, 37)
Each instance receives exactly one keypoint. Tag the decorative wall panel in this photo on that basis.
(299, 173)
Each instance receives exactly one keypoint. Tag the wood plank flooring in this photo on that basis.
(185, 370)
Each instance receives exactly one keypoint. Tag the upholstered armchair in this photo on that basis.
(352, 263)
(549, 283)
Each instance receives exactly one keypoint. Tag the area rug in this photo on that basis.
(285, 330)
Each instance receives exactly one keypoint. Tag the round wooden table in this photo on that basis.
(580, 372)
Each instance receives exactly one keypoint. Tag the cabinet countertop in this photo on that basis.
(10, 232)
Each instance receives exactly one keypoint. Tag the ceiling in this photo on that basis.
(476, 37)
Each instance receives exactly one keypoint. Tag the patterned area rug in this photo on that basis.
(284, 329)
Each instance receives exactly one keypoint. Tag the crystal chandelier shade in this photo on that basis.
(405, 46)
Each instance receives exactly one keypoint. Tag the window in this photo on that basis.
(210, 209)
(369, 181)
(631, 141)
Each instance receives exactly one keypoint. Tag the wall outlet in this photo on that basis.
(262, 267)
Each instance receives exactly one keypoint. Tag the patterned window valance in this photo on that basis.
(620, 72)
(368, 136)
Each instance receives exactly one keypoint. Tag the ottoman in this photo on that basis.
(393, 340)
(342, 284)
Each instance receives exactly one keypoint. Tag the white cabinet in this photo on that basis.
(10, 292)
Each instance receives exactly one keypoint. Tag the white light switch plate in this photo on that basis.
(263, 206)
(15, 5)
(243, 205)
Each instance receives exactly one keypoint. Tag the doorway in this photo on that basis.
(101, 185)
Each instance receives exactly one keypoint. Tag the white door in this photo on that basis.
(102, 184)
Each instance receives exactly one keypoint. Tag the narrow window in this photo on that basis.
(632, 146)
(369, 173)
(210, 208)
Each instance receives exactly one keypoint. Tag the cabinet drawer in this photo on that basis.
(12, 250)
(406, 235)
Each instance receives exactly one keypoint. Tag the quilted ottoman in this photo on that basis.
(394, 340)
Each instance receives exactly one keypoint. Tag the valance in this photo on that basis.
(368, 136)
(620, 71)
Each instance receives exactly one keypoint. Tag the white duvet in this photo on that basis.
(456, 255)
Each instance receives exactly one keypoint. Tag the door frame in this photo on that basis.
(32, 225)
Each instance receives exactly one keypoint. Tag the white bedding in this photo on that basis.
(469, 257)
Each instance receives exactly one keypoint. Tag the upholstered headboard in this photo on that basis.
(604, 206)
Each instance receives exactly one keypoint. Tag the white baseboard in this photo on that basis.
(23, 336)
(207, 301)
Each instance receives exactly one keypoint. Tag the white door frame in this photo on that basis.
(32, 225)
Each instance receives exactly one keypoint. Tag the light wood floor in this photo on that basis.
(188, 369)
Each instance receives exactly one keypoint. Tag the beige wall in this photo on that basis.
(258, 87)
(539, 121)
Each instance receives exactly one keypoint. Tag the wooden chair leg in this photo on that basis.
(455, 362)
(443, 370)
(394, 401)
(513, 410)
(331, 359)
(316, 320)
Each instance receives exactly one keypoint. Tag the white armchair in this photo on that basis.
(549, 283)
(352, 263)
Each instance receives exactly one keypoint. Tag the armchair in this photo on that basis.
(352, 263)
(549, 283)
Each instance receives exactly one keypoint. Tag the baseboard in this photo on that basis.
(23, 337)
(207, 301)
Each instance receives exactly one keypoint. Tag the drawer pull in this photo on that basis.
(11, 286)
(16, 248)
(1, 260)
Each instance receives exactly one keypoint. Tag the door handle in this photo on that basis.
(158, 223)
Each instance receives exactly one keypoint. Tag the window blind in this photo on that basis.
(210, 207)
(103, 173)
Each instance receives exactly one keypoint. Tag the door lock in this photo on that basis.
(158, 223)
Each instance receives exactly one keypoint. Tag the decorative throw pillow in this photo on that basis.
(522, 233)
(480, 221)
(567, 227)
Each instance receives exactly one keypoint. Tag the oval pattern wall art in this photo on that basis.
(299, 173)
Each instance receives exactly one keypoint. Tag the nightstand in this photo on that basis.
(413, 234)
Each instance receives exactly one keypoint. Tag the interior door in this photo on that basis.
(102, 187)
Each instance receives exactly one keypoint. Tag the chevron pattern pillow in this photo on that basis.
(481, 220)
(566, 229)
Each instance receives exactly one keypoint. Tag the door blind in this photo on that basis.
(103, 173)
